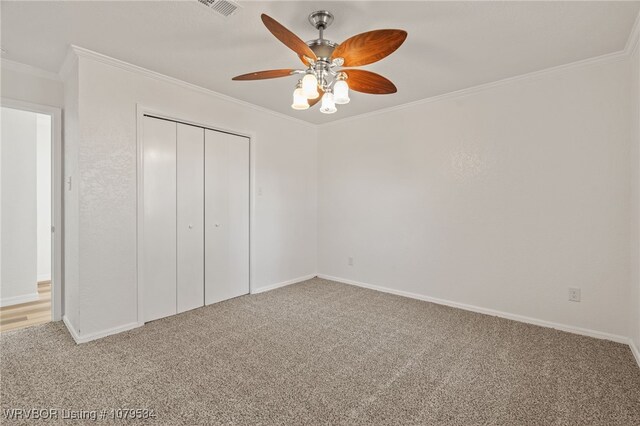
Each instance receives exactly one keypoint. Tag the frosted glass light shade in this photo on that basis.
(341, 92)
(310, 86)
(299, 100)
(328, 105)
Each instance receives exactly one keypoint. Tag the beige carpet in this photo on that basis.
(321, 352)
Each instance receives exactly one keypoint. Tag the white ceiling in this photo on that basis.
(451, 45)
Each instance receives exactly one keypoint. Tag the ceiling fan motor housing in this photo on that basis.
(323, 48)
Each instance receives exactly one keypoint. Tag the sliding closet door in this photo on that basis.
(190, 223)
(226, 216)
(159, 215)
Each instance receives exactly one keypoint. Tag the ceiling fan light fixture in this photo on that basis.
(310, 86)
(341, 91)
(299, 99)
(328, 105)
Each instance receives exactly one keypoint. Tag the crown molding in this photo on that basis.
(469, 91)
(99, 57)
(28, 69)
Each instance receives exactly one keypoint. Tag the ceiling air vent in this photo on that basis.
(225, 8)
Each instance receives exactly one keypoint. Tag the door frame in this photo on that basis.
(145, 110)
(57, 191)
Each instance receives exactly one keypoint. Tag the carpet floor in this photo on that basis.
(321, 352)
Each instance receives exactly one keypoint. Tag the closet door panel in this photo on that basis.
(159, 213)
(190, 222)
(226, 216)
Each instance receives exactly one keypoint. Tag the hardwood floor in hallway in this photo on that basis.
(28, 314)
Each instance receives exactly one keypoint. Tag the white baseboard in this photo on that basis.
(282, 284)
(97, 335)
(635, 351)
(45, 277)
(16, 300)
(70, 328)
(486, 311)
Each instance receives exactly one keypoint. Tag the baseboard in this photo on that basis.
(46, 277)
(635, 351)
(72, 331)
(97, 335)
(282, 284)
(486, 311)
(16, 300)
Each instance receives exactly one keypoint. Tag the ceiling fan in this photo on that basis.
(322, 78)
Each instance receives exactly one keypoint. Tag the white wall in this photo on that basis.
(43, 197)
(18, 280)
(104, 176)
(501, 199)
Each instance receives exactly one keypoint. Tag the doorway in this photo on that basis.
(30, 215)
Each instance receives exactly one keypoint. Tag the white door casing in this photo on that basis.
(57, 187)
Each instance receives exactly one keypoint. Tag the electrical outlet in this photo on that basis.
(350, 261)
(574, 294)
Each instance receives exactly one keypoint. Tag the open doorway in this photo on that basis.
(30, 210)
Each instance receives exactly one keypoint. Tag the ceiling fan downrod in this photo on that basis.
(323, 48)
(321, 19)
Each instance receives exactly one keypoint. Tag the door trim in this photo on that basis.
(57, 191)
(145, 110)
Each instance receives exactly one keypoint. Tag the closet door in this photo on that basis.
(159, 215)
(190, 223)
(226, 216)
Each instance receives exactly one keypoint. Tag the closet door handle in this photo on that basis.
(190, 226)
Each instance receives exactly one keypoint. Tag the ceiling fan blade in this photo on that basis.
(263, 75)
(369, 82)
(312, 102)
(369, 47)
(289, 39)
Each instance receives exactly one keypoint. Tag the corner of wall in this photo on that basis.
(633, 47)
(69, 64)
(71, 328)
(69, 73)
(316, 171)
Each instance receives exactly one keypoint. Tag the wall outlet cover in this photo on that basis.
(574, 294)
